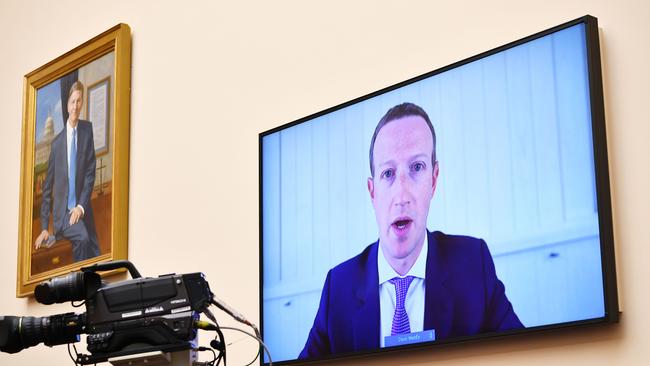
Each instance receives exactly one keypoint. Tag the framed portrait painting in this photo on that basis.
(75, 160)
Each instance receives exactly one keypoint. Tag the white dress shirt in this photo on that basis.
(414, 302)
(69, 131)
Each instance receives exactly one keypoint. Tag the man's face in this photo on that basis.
(75, 103)
(403, 186)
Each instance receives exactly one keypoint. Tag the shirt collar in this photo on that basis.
(386, 272)
(69, 128)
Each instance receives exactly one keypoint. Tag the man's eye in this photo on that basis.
(387, 174)
(418, 167)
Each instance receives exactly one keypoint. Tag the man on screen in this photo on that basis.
(411, 281)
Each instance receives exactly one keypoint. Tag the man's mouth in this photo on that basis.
(401, 224)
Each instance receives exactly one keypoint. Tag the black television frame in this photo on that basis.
(603, 195)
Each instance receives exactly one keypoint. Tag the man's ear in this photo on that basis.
(435, 178)
(371, 188)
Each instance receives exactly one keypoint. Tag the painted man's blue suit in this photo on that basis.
(463, 296)
(83, 234)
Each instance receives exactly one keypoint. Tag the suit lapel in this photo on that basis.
(365, 327)
(438, 303)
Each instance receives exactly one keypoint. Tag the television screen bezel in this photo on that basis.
(601, 171)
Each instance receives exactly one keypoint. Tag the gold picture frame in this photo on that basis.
(101, 175)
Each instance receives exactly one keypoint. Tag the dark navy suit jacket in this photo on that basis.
(463, 297)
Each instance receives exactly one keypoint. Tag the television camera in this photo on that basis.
(123, 318)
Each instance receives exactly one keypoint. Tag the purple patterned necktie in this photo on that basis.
(401, 319)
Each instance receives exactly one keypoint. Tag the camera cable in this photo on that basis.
(217, 344)
(240, 318)
(258, 339)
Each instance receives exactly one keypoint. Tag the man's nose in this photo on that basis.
(402, 190)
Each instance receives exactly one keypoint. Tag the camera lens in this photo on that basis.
(18, 333)
(9, 334)
(61, 289)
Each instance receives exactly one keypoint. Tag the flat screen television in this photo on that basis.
(469, 202)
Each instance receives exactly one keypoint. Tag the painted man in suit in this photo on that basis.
(69, 182)
(411, 281)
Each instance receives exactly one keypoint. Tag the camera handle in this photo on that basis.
(107, 266)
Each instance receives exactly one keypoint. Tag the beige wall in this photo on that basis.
(208, 76)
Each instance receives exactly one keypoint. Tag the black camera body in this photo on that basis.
(128, 317)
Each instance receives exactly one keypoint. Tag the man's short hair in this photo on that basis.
(76, 86)
(397, 112)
